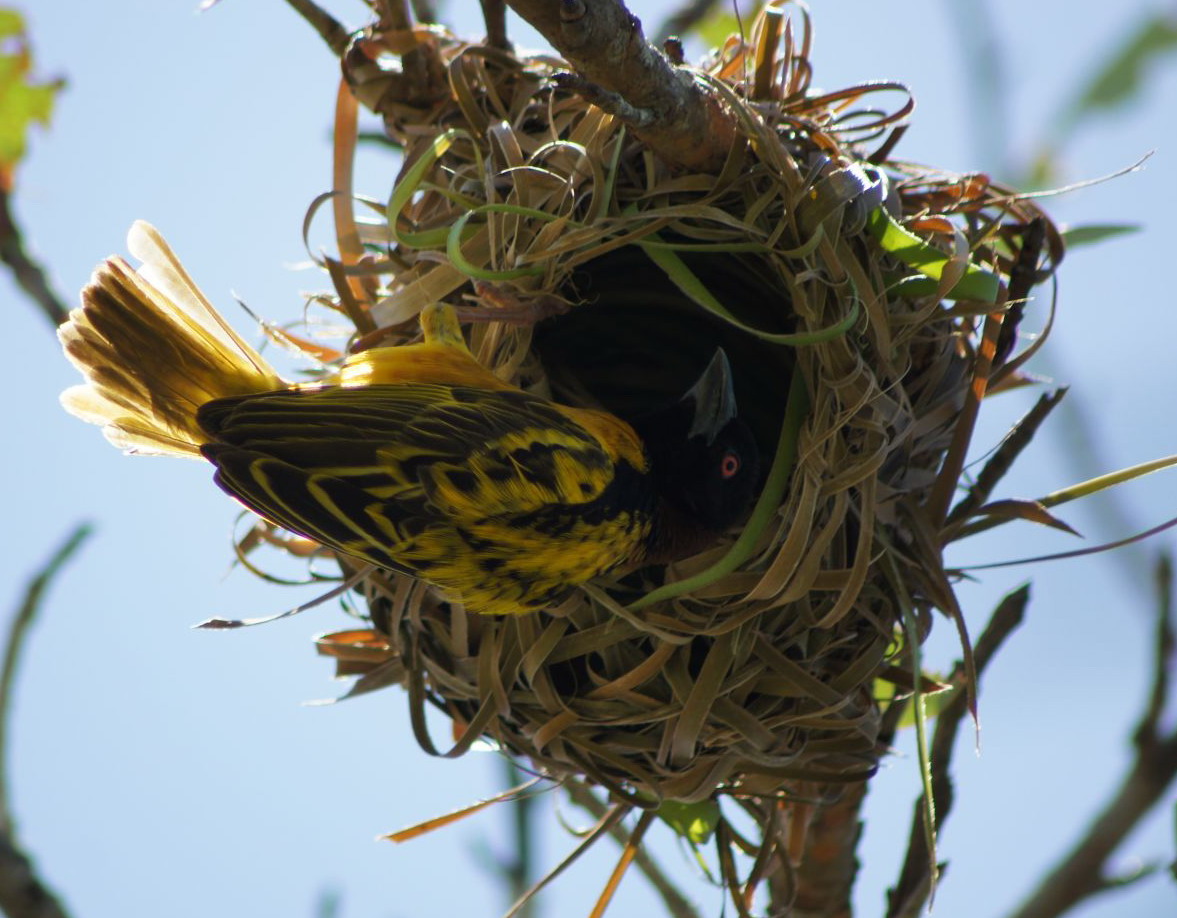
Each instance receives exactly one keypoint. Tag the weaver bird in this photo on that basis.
(416, 457)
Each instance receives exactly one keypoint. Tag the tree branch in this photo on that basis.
(29, 275)
(494, 14)
(906, 898)
(824, 878)
(424, 11)
(1019, 437)
(393, 15)
(677, 905)
(329, 28)
(517, 870)
(22, 892)
(665, 107)
(1082, 872)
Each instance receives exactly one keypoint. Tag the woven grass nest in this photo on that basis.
(860, 301)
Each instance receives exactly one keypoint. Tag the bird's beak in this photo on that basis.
(714, 397)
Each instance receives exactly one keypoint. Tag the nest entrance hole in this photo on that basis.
(636, 343)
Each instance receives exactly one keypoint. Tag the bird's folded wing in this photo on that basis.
(341, 464)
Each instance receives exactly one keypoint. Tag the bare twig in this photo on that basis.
(517, 870)
(1083, 871)
(616, 69)
(329, 28)
(612, 102)
(394, 15)
(329, 904)
(677, 905)
(22, 892)
(28, 274)
(603, 41)
(907, 897)
(494, 14)
(424, 11)
(1022, 278)
(1147, 730)
(1019, 437)
(419, 82)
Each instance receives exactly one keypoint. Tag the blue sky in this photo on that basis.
(161, 770)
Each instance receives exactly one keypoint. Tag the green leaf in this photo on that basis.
(976, 284)
(1082, 489)
(936, 696)
(458, 232)
(410, 183)
(763, 513)
(1097, 232)
(919, 712)
(933, 705)
(1122, 76)
(666, 258)
(22, 101)
(715, 29)
(11, 23)
(695, 822)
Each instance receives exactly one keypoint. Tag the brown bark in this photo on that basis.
(619, 71)
(825, 877)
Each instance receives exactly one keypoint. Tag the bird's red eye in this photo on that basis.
(729, 464)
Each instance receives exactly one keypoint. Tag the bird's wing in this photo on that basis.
(373, 466)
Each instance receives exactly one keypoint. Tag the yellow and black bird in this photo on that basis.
(414, 458)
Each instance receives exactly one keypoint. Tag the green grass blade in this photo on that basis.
(767, 505)
(686, 280)
(976, 284)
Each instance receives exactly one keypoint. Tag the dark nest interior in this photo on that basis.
(860, 301)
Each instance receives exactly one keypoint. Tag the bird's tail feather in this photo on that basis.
(153, 350)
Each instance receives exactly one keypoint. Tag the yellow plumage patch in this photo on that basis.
(153, 350)
(415, 458)
(494, 496)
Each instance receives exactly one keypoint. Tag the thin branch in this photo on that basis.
(1083, 871)
(424, 11)
(421, 80)
(612, 102)
(394, 15)
(907, 897)
(494, 14)
(328, 27)
(603, 41)
(517, 869)
(1149, 728)
(22, 892)
(1023, 277)
(1002, 460)
(677, 905)
(329, 904)
(28, 274)
(613, 816)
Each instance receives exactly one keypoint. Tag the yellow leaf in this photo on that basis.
(22, 101)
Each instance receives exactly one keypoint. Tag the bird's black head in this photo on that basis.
(703, 459)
